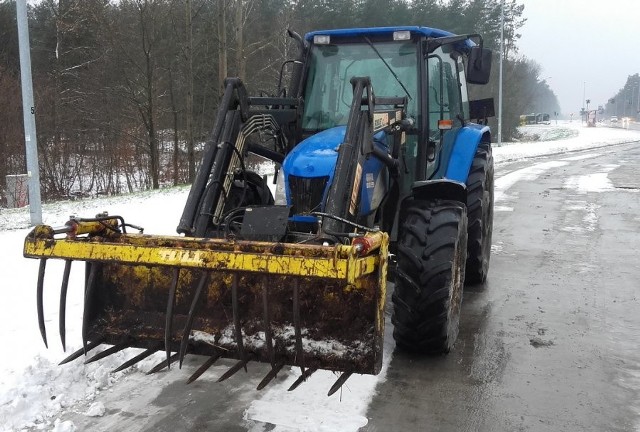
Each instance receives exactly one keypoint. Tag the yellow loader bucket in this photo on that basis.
(313, 306)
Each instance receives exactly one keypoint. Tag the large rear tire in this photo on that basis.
(480, 215)
(431, 253)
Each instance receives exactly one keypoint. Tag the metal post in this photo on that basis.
(638, 104)
(626, 102)
(500, 73)
(584, 88)
(29, 114)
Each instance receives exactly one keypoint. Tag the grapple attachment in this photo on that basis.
(311, 306)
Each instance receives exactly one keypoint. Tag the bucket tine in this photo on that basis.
(296, 323)
(163, 364)
(168, 329)
(302, 378)
(271, 375)
(235, 368)
(82, 350)
(93, 268)
(63, 302)
(236, 318)
(339, 382)
(267, 322)
(194, 305)
(114, 349)
(39, 295)
(143, 355)
(202, 369)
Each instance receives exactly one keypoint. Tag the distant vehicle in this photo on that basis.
(527, 119)
(530, 119)
(613, 119)
(543, 119)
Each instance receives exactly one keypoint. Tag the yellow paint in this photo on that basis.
(138, 268)
(339, 262)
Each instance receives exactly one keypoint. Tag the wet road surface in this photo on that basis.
(549, 343)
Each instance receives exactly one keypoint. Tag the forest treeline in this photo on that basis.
(126, 91)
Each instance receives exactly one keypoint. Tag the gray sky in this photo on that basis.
(596, 42)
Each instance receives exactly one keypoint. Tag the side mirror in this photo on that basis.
(479, 65)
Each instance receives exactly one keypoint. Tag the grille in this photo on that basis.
(306, 193)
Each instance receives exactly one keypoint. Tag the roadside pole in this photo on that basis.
(500, 73)
(29, 114)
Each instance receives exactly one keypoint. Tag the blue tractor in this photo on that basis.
(380, 174)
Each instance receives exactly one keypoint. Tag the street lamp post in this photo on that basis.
(626, 101)
(500, 73)
(638, 104)
(28, 114)
(584, 91)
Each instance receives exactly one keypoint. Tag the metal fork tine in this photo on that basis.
(267, 322)
(339, 382)
(171, 302)
(93, 268)
(114, 349)
(63, 302)
(302, 378)
(82, 350)
(39, 295)
(235, 368)
(236, 318)
(163, 364)
(296, 323)
(202, 369)
(271, 375)
(194, 305)
(143, 355)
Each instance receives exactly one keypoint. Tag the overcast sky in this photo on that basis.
(582, 44)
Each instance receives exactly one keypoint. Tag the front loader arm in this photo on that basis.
(364, 121)
(217, 154)
(342, 198)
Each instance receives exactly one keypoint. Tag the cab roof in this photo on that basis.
(425, 31)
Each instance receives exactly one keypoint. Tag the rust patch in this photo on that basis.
(131, 301)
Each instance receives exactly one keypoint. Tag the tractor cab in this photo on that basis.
(421, 64)
(390, 64)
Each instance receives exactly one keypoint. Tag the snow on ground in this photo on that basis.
(34, 390)
(562, 138)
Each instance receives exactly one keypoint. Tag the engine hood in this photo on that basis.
(315, 156)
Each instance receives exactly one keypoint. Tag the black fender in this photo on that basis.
(428, 190)
(443, 189)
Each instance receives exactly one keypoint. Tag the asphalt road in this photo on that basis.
(549, 343)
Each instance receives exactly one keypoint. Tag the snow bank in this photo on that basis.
(580, 138)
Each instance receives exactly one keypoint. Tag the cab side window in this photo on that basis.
(445, 101)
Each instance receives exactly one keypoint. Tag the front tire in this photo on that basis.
(431, 253)
(480, 213)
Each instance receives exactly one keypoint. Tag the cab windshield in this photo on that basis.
(328, 92)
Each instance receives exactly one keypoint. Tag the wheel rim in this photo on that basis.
(455, 295)
(487, 221)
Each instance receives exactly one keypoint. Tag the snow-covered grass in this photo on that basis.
(32, 387)
(35, 391)
(545, 133)
(565, 137)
